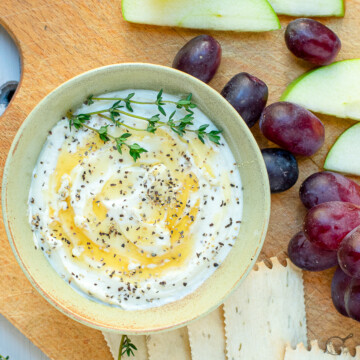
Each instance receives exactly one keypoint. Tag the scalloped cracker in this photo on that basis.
(207, 337)
(301, 353)
(266, 313)
(172, 345)
(113, 341)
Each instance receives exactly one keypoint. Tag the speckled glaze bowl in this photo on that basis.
(22, 159)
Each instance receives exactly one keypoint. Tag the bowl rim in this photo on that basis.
(5, 181)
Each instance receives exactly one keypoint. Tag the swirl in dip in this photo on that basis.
(135, 234)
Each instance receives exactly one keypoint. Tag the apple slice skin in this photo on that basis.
(286, 94)
(209, 17)
(328, 99)
(318, 8)
(344, 156)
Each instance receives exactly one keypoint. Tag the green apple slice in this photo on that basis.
(236, 15)
(309, 7)
(344, 156)
(333, 89)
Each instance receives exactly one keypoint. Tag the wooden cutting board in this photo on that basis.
(59, 39)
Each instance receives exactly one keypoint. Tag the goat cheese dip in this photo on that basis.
(135, 234)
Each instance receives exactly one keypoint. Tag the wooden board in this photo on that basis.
(59, 39)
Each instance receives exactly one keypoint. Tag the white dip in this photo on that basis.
(142, 234)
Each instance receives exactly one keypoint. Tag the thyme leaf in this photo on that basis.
(126, 347)
(120, 141)
(201, 132)
(136, 150)
(88, 101)
(103, 133)
(214, 136)
(128, 103)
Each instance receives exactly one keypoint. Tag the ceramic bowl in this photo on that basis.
(22, 159)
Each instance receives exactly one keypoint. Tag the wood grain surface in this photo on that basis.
(59, 39)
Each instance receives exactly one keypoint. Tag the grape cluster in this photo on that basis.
(331, 231)
(331, 236)
(296, 130)
(290, 126)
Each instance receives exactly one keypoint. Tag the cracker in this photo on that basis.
(207, 337)
(172, 345)
(265, 313)
(301, 353)
(113, 341)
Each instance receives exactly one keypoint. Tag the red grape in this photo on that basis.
(248, 95)
(200, 57)
(327, 224)
(352, 299)
(349, 253)
(339, 284)
(282, 169)
(328, 186)
(309, 257)
(293, 128)
(312, 41)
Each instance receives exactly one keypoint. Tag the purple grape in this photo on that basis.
(282, 169)
(248, 95)
(349, 253)
(293, 128)
(327, 224)
(312, 41)
(339, 284)
(200, 57)
(327, 186)
(309, 257)
(352, 299)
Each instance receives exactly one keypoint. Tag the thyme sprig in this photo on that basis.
(126, 347)
(114, 114)
(78, 121)
(182, 103)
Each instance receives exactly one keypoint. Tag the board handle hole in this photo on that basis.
(10, 68)
(7, 92)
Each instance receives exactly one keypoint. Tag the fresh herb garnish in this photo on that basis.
(201, 132)
(103, 133)
(4, 358)
(117, 110)
(134, 149)
(126, 347)
(152, 123)
(127, 102)
(159, 102)
(214, 136)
